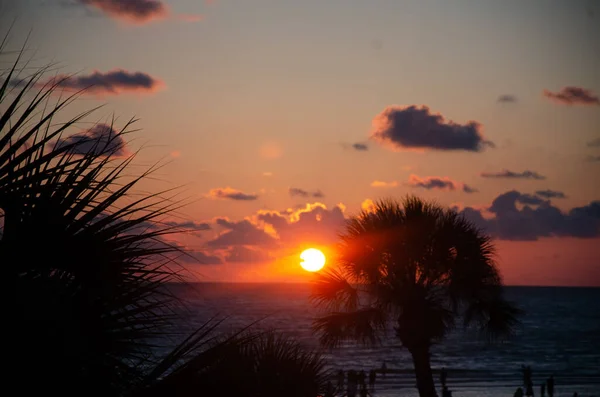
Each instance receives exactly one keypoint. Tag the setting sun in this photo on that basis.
(312, 260)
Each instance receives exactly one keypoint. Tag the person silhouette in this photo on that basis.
(443, 376)
(529, 389)
(362, 377)
(518, 392)
(352, 385)
(329, 392)
(526, 375)
(340, 380)
(383, 368)
(364, 392)
(446, 392)
(550, 386)
(543, 390)
(372, 378)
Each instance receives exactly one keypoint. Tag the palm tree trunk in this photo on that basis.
(423, 372)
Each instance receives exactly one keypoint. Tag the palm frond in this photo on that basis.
(89, 287)
(263, 364)
(364, 325)
(333, 291)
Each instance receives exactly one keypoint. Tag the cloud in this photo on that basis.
(113, 82)
(231, 194)
(592, 159)
(188, 225)
(101, 139)
(436, 182)
(431, 182)
(253, 239)
(468, 189)
(513, 175)
(242, 232)
(573, 96)
(535, 220)
(297, 192)
(199, 257)
(134, 11)
(413, 127)
(246, 255)
(507, 98)
(549, 194)
(360, 146)
(594, 143)
(384, 184)
(312, 224)
(367, 205)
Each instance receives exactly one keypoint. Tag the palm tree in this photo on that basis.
(87, 271)
(418, 267)
(83, 260)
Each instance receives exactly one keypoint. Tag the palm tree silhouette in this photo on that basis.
(88, 276)
(418, 267)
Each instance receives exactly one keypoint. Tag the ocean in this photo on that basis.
(559, 335)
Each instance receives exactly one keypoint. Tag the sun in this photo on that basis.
(313, 260)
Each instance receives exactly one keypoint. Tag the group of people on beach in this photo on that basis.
(356, 383)
(548, 385)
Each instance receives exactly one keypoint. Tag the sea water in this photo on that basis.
(559, 335)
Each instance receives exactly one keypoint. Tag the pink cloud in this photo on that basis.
(132, 11)
(384, 184)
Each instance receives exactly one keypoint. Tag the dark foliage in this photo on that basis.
(417, 267)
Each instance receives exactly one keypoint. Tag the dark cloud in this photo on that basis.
(507, 98)
(594, 143)
(513, 175)
(241, 232)
(297, 192)
(100, 139)
(113, 82)
(136, 11)
(246, 255)
(592, 159)
(468, 189)
(530, 223)
(231, 194)
(415, 127)
(360, 146)
(549, 194)
(436, 182)
(431, 182)
(188, 225)
(573, 96)
(199, 258)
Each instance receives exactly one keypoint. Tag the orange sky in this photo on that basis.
(282, 117)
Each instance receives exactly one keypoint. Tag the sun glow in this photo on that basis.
(313, 260)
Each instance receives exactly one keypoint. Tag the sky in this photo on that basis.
(281, 118)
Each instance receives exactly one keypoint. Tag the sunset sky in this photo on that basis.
(281, 118)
